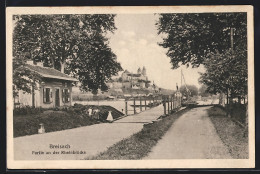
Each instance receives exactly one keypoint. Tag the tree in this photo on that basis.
(23, 79)
(192, 37)
(226, 73)
(203, 91)
(74, 44)
(206, 38)
(192, 90)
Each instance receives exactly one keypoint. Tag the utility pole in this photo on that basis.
(181, 77)
(187, 89)
(131, 80)
(33, 96)
(232, 40)
(232, 53)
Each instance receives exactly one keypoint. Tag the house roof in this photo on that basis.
(134, 75)
(50, 73)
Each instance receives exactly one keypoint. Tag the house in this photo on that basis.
(53, 90)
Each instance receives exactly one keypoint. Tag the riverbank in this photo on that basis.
(120, 105)
(61, 119)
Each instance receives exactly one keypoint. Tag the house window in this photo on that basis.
(66, 95)
(47, 95)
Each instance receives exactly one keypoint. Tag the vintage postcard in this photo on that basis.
(130, 87)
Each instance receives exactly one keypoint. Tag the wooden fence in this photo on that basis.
(138, 104)
(171, 103)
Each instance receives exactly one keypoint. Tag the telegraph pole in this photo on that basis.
(232, 51)
(232, 40)
(181, 77)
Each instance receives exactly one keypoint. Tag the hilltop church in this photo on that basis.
(140, 75)
(127, 80)
(135, 80)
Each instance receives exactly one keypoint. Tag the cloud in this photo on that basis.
(151, 36)
(128, 33)
(142, 41)
(125, 51)
(122, 43)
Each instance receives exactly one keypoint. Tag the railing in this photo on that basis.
(138, 104)
(171, 103)
(141, 103)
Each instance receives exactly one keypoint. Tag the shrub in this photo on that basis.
(58, 119)
(25, 110)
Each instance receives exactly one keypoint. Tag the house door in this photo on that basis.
(57, 97)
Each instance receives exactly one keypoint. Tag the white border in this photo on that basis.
(130, 164)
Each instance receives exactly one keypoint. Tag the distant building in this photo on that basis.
(139, 71)
(54, 89)
(137, 80)
(154, 87)
(128, 80)
(144, 71)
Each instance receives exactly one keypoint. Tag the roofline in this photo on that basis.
(56, 77)
(53, 77)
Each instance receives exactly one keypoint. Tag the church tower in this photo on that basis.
(144, 71)
(139, 71)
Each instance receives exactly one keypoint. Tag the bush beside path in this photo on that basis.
(26, 120)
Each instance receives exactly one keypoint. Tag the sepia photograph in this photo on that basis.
(130, 87)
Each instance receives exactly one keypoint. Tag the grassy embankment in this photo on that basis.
(232, 134)
(140, 144)
(60, 119)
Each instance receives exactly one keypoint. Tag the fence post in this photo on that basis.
(145, 103)
(175, 102)
(164, 106)
(140, 104)
(171, 103)
(168, 99)
(126, 107)
(179, 102)
(134, 107)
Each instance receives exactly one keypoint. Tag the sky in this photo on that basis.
(135, 42)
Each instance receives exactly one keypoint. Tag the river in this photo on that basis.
(117, 104)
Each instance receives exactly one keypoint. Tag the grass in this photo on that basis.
(140, 144)
(237, 112)
(232, 135)
(60, 119)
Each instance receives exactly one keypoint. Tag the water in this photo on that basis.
(117, 104)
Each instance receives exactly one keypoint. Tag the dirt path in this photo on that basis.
(192, 136)
(90, 139)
